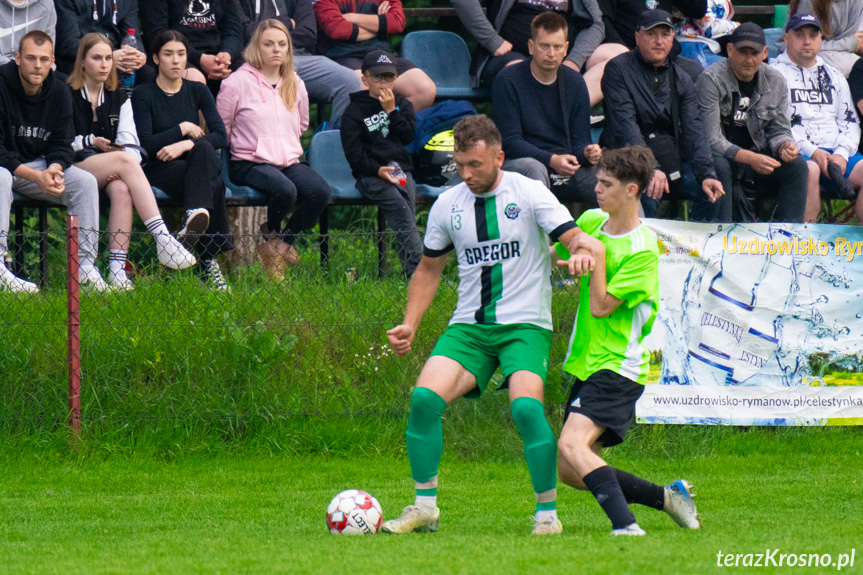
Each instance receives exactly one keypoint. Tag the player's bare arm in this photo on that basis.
(421, 293)
(581, 260)
(602, 303)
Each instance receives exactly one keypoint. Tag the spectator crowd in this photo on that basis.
(101, 100)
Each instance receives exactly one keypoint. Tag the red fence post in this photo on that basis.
(74, 326)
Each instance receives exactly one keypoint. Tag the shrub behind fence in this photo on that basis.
(174, 353)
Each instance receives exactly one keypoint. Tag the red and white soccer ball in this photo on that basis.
(354, 512)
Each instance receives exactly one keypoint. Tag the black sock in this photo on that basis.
(603, 484)
(641, 491)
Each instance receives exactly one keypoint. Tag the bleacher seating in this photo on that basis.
(444, 56)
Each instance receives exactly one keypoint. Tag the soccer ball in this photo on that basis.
(354, 512)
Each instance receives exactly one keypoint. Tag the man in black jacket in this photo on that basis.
(620, 18)
(36, 153)
(650, 101)
(76, 18)
(376, 127)
(214, 29)
(325, 80)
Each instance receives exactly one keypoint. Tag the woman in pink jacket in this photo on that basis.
(265, 107)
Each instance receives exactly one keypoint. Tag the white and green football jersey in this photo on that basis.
(616, 342)
(501, 239)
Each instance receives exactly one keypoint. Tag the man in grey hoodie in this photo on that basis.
(17, 17)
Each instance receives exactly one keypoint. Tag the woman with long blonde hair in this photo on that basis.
(265, 108)
(104, 126)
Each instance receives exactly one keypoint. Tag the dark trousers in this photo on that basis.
(398, 204)
(579, 187)
(684, 188)
(297, 188)
(196, 178)
(788, 182)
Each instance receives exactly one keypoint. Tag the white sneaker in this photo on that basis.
(173, 255)
(547, 527)
(211, 275)
(119, 282)
(9, 282)
(89, 278)
(414, 519)
(680, 506)
(633, 529)
(195, 223)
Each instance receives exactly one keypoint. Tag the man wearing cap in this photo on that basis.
(376, 127)
(650, 101)
(743, 104)
(823, 118)
(543, 113)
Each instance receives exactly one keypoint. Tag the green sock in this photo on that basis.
(425, 434)
(540, 449)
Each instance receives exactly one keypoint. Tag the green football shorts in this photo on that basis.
(480, 349)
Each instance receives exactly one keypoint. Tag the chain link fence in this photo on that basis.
(173, 352)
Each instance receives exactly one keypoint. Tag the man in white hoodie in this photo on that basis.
(823, 118)
(17, 17)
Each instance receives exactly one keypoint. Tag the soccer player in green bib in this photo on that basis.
(616, 309)
(498, 224)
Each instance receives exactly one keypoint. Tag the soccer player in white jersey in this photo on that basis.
(498, 224)
(616, 309)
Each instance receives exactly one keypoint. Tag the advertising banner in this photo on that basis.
(759, 324)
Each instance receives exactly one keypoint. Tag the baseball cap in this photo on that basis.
(378, 62)
(749, 35)
(653, 18)
(800, 20)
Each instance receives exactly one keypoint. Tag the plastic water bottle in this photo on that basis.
(398, 174)
(127, 79)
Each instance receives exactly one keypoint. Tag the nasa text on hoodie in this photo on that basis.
(17, 17)
(820, 107)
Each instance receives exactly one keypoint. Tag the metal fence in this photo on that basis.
(173, 350)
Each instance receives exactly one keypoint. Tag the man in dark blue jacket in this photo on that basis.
(542, 110)
(651, 101)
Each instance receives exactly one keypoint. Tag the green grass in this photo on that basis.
(245, 511)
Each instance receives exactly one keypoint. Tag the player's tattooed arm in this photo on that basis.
(421, 293)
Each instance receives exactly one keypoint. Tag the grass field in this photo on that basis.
(247, 511)
(218, 427)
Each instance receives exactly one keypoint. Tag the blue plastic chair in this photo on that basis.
(772, 35)
(327, 157)
(236, 194)
(444, 56)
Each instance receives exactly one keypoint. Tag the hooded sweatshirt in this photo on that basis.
(260, 127)
(373, 138)
(211, 26)
(75, 18)
(34, 126)
(820, 106)
(18, 19)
